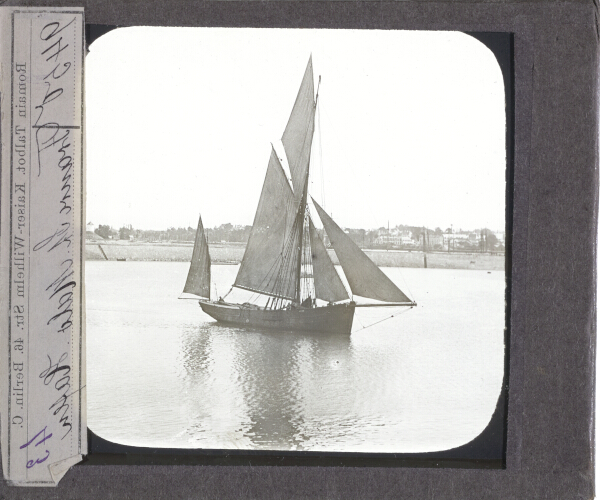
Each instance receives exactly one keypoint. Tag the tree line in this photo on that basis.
(223, 233)
(484, 240)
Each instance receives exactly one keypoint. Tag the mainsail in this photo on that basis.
(270, 261)
(364, 277)
(273, 258)
(328, 285)
(198, 279)
(298, 134)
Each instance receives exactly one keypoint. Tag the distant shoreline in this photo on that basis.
(232, 253)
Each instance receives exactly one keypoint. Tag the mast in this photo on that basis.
(302, 211)
(301, 216)
(297, 142)
(273, 260)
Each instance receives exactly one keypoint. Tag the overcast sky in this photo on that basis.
(180, 122)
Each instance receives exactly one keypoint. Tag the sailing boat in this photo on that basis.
(285, 258)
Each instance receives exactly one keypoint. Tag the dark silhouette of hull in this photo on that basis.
(329, 319)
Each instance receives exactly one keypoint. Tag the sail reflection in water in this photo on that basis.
(161, 374)
(276, 382)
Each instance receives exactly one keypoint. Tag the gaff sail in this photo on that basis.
(269, 263)
(198, 279)
(272, 260)
(364, 277)
(328, 285)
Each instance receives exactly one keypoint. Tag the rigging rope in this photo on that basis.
(406, 284)
(319, 138)
(361, 324)
(397, 313)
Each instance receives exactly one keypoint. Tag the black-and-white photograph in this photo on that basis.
(296, 239)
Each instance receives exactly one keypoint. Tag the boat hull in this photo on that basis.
(330, 319)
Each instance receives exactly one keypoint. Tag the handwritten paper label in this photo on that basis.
(41, 215)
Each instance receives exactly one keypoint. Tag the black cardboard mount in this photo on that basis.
(549, 433)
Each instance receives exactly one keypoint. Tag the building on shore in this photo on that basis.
(432, 241)
(394, 237)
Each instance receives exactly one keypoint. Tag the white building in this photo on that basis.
(394, 237)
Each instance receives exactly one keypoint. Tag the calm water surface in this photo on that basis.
(161, 373)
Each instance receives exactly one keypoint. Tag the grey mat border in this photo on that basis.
(550, 432)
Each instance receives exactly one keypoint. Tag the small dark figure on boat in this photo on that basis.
(309, 302)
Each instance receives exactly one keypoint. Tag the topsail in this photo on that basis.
(298, 135)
